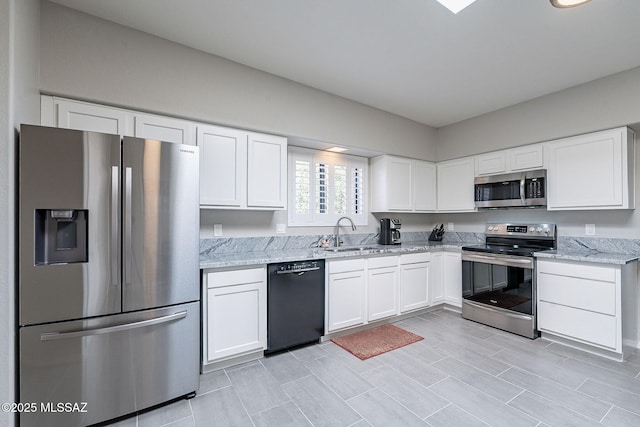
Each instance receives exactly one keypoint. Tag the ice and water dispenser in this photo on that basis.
(60, 236)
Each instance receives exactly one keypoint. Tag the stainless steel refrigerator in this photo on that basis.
(109, 299)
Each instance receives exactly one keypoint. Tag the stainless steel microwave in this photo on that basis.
(520, 189)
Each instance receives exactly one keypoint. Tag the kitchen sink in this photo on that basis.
(353, 248)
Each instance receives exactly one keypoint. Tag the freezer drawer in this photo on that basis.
(116, 364)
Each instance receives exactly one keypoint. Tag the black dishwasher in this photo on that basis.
(295, 304)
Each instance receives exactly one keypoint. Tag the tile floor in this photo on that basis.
(461, 374)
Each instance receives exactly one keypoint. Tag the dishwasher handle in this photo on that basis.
(298, 272)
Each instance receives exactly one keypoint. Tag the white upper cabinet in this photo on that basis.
(525, 158)
(424, 186)
(164, 129)
(223, 166)
(242, 170)
(400, 184)
(592, 171)
(491, 163)
(455, 185)
(267, 171)
(78, 115)
(511, 160)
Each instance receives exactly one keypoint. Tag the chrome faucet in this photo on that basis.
(336, 231)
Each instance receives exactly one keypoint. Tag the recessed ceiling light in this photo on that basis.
(568, 3)
(337, 149)
(455, 6)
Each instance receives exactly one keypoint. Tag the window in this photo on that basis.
(325, 186)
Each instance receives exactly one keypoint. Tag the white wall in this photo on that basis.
(89, 58)
(19, 102)
(601, 104)
(6, 230)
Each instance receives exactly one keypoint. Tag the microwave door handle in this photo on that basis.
(522, 182)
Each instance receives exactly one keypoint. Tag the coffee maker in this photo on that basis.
(389, 231)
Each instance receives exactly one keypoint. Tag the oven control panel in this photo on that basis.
(533, 230)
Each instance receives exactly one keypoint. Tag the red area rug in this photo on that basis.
(373, 342)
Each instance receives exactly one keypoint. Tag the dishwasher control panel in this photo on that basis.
(298, 266)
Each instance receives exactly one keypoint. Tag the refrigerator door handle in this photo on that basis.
(128, 252)
(115, 208)
(51, 336)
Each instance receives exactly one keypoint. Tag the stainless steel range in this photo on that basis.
(498, 279)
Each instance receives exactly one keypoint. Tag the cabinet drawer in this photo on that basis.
(415, 258)
(579, 270)
(346, 265)
(584, 325)
(216, 279)
(384, 261)
(585, 294)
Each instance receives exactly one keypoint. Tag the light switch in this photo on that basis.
(450, 226)
(281, 228)
(217, 230)
(590, 229)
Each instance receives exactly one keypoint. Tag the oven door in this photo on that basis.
(499, 290)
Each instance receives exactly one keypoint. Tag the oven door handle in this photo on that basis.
(508, 261)
(502, 311)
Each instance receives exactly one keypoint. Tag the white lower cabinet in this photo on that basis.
(234, 312)
(436, 284)
(452, 278)
(592, 304)
(346, 291)
(368, 289)
(415, 275)
(382, 287)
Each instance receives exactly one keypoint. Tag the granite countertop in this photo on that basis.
(586, 255)
(237, 259)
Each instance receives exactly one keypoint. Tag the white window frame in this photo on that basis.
(313, 218)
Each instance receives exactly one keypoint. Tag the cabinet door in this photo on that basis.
(236, 320)
(223, 166)
(382, 293)
(436, 278)
(455, 186)
(527, 157)
(452, 268)
(589, 172)
(424, 186)
(164, 129)
(399, 184)
(491, 163)
(414, 285)
(346, 300)
(94, 118)
(267, 171)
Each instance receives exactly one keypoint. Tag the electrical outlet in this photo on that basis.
(217, 230)
(590, 229)
(281, 228)
(450, 226)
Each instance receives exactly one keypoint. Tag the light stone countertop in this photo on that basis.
(248, 258)
(239, 259)
(590, 256)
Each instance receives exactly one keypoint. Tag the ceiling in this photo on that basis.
(413, 58)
